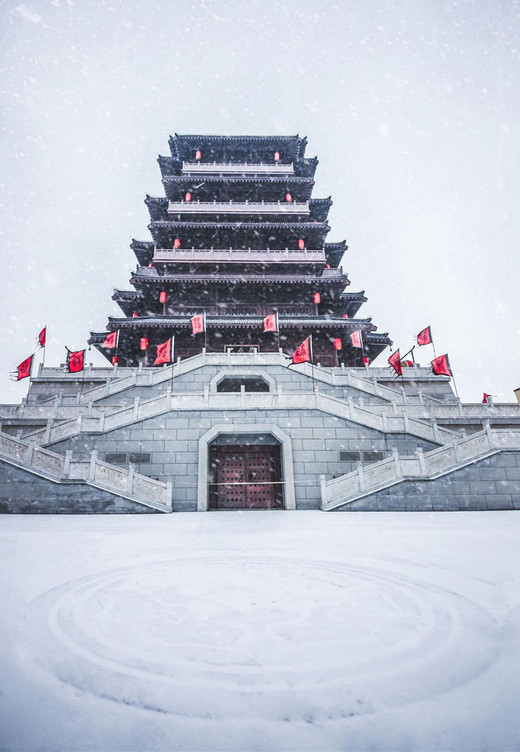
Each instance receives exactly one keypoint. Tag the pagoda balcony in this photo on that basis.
(238, 207)
(238, 255)
(244, 168)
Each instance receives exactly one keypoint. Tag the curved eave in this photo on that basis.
(239, 224)
(255, 279)
(180, 143)
(143, 250)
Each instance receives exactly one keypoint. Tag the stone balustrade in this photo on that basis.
(61, 468)
(244, 168)
(460, 451)
(238, 207)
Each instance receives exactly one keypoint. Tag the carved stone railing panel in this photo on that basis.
(48, 461)
(13, 448)
(78, 470)
(110, 477)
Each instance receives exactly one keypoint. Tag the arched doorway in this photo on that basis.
(245, 475)
(245, 467)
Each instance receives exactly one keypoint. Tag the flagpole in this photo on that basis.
(45, 346)
(362, 348)
(278, 331)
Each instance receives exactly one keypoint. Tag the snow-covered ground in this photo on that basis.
(260, 631)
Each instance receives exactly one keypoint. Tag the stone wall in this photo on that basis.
(22, 492)
(491, 483)
(172, 440)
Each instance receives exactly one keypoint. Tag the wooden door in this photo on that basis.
(245, 477)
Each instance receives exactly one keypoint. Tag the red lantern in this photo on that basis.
(337, 343)
(134, 315)
(144, 343)
(115, 360)
(277, 156)
(366, 361)
(187, 197)
(317, 298)
(288, 198)
(327, 266)
(301, 244)
(345, 315)
(150, 266)
(162, 297)
(198, 155)
(177, 243)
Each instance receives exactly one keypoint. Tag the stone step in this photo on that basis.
(378, 476)
(153, 376)
(365, 416)
(62, 468)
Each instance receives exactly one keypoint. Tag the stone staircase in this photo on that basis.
(62, 468)
(126, 416)
(378, 476)
(153, 376)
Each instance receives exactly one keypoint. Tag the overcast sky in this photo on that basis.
(411, 107)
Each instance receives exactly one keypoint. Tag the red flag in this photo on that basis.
(42, 337)
(24, 369)
(485, 398)
(303, 353)
(395, 362)
(75, 360)
(356, 339)
(164, 352)
(441, 366)
(271, 323)
(425, 337)
(111, 340)
(198, 323)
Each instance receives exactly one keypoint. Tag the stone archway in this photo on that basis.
(249, 462)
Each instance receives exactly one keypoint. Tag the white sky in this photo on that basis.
(411, 107)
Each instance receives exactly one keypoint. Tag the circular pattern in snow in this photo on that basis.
(225, 635)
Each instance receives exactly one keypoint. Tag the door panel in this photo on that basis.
(245, 477)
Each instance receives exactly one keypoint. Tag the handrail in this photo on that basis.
(247, 167)
(239, 207)
(379, 475)
(94, 472)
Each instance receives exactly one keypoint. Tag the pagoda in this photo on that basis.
(238, 237)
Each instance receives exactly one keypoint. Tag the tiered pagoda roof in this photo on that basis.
(237, 236)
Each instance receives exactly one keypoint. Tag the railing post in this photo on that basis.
(406, 421)
(350, 402)
(436, 434)
(135, 412)
(323, 488)
(169, 493)
(130, 478)
(384, 417)
(66, 464)
(242, 395)
(397, 463)
(206, 396)
(47, 434)
(456, 450)
(487, 429)
(420, 457)
(30, 452)
(101, 422)
(361, 476)
(92, 466)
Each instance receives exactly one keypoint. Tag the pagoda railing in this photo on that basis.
(237, 254)
(242, 167)
(238, 207)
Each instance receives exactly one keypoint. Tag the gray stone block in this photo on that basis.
(478, 487)
(499, 501)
